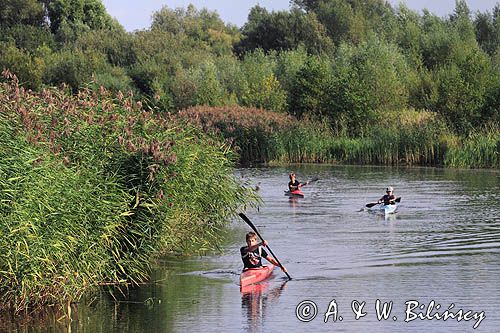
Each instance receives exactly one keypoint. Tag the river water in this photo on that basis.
(440, 251)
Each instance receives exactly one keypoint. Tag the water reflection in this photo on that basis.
(294, 202)
(255, 300)
(55, 319)
(381, 216)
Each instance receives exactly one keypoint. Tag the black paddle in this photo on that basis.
(243, 216)
(309, 181)
(370, 205)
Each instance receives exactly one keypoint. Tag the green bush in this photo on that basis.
(27, 37)
(73, 67)
(369, 79)
(28, 68)
(118, 46)
(114, 79)
(259, 86)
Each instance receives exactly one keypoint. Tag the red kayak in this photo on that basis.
(255, 288)
(255, 275)
(296, 194)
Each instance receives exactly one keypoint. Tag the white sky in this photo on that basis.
(133, 14)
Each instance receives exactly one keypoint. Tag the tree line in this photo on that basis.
(349, 63)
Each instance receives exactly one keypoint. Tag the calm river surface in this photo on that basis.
(443, 245)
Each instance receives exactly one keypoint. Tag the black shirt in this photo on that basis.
(252, 259)
(296, 184)
(387, 199)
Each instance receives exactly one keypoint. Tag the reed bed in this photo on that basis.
(407, 137)
(253, 133)
(479, 150)
(93, 187)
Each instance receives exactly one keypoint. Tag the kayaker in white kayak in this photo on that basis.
(293, 184)
(389, 198)
(252, 254)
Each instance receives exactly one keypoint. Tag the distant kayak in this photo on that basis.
(384, 209)
(296, 194)
(388, 209)
(255, 275)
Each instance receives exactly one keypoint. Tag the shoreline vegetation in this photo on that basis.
(93, 187)
(408, 138)
(133, 155)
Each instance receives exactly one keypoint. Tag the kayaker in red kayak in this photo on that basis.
(252, 254)
(389, 198)
(293, 184)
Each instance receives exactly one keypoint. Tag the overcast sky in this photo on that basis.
(133, 14)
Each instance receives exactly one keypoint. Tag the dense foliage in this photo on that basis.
(408, 137)
(93, 186)
(349, 62)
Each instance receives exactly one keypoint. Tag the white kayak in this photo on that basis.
(388, 209)
(385, 209)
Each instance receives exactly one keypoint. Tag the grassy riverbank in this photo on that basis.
(409, 137)
(93, 186)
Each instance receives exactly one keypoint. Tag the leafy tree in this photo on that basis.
(146, 76)
(283, 30)
(409, 34)
(354, 20)
(28, 68)
(160, 46)
(28, 37)
(183, 89)
(490, 112)
(152, 83)
(437, 41)
(118, 46)
(74, 67)
(307, 5)
(487, 27)
(26, 12)
(462, 89)
(259, 86)
(209, 90)
(309, 90)
(199, 25)
(461, 21)
(169, 51)
(230, 75)
(371, 80)
(288, 64)
(423, 94)
(69, 18)
(339, 18)
(113, 78)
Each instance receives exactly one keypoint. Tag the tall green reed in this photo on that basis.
(93, 187)
(406, 137)
(480, 149)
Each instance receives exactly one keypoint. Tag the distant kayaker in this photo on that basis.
(293, 184)
(389, 198)
(252, 254)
